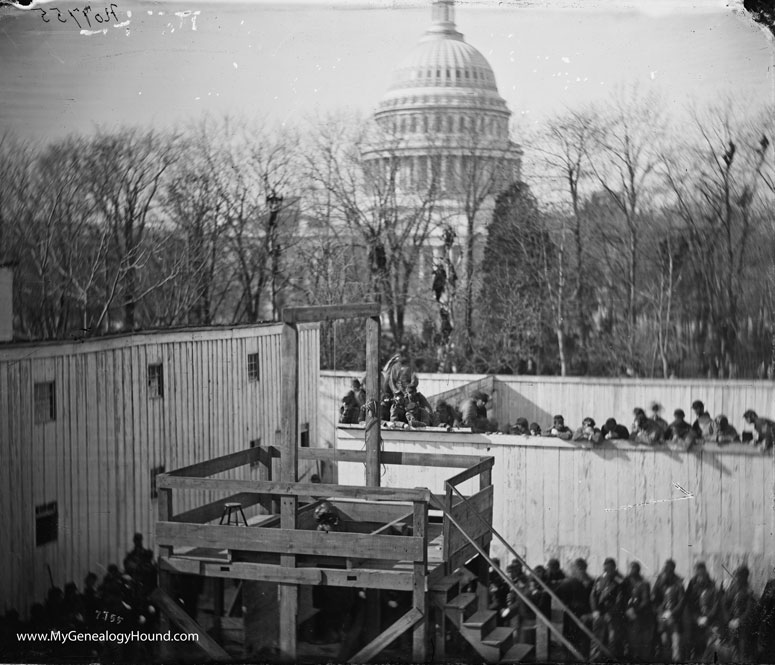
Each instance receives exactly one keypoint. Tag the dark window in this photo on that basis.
(155, 471)
(156, 380)
(304, 442)
(45, 402)
(255, 443)
(46, 523)
(252, 367)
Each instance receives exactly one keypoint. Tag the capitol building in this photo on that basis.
(444, 128)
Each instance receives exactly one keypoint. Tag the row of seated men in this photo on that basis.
(655, 430)
(408, 406)
(638, 622)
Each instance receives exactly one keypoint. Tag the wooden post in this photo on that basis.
(419, 594)
(164, 579)
(373, 422)
(289, 404)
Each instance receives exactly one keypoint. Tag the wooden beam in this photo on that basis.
(391, 457)
(366, 578)
(386, 637)
(291, 541)
(419, 592)
(330, 312)
(218, 464)
(296, 489)
(165, 513)
(390, 525)
(372, 434)
(481, 466)
(183, 621)
(214, 510)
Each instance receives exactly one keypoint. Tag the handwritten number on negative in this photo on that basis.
(43, 13)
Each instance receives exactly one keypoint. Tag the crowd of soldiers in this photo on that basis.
(637, 622)
(118, 604)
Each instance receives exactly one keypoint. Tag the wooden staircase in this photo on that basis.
(495, 644)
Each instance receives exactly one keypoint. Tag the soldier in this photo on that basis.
(535, 429)
(607, 602)
(739, 605)
(514, 612)
(520, 427)
(703, 426)
(398, 409)
(554, 574)
(656, 409)
(703, 611)
(764, 427)
(680, 432)
(766, 642)
(474, 412)
(359, 392)
(588, 432)
(640, 616)
(574, 591)
(647, 431)
(560, 429)
(613, 430)
(725, 433)
(349, 411)
(668, 599)
(418, 410)
(445, 415)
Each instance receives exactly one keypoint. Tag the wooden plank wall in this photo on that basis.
(555, 499)
(95, 458)
(540, 398)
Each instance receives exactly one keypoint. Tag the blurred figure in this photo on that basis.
(680, 432)
(349, 410)
(656, 410)
(739, 605)
(537, 594)
(647, 431)
(668, 599)
(765, 429)
(418, 410)
(640, 616)
(725, 433)
(766, 641)
(588, 432)
(520, 427)
(613, 430)
(607, 600)
(554, 574)
(574, 591)
(473, 412)
(359, 391)
(560, 429)
(703, 612)
(535, 429)
(703, 426)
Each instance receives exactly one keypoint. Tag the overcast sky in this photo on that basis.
(167, 63)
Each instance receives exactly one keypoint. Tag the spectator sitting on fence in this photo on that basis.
(588, 432)
(445, 415)
(535, 429)
(350, 410)
(359, 391)
(647, 431)
(703, 426)
(680, 432)
(520, 427)
(418, 411)
(637, 412)
(473, 412)
(724, 432)
(613, 430)
(384, 407)
(560, 429)
(398, 409)
(656, 409)
(765, 429)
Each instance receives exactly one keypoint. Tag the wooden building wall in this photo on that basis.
(540, 398)
(95, 458)
(629, 502)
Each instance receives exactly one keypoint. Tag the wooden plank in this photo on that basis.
(179, 617)
(395, 522)
(386, 637)
(475, 516)
(291, 541)
(330, 312)
(214, 510)
(370, 511)
(484, 464)
(366, 578)
(295, 489)
(534, 486)
(389, 457)
(550, 469)
(218, 464)
(373, 440)
(419, 595)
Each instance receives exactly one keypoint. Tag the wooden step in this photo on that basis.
(447, 587)
(517, 653)
(481, 622)
(500, 638)
(461, 607)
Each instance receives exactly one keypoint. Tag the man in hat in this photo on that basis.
(647, 431)
(613, 430)
(668, 599)
(574, 591)
(588, 431)
(703, 611)
(724, 432)
(607, 601)
(640, 616)
(679, 432)
(521, 427)
(560, 429)
(739, 603)
(473, 412)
